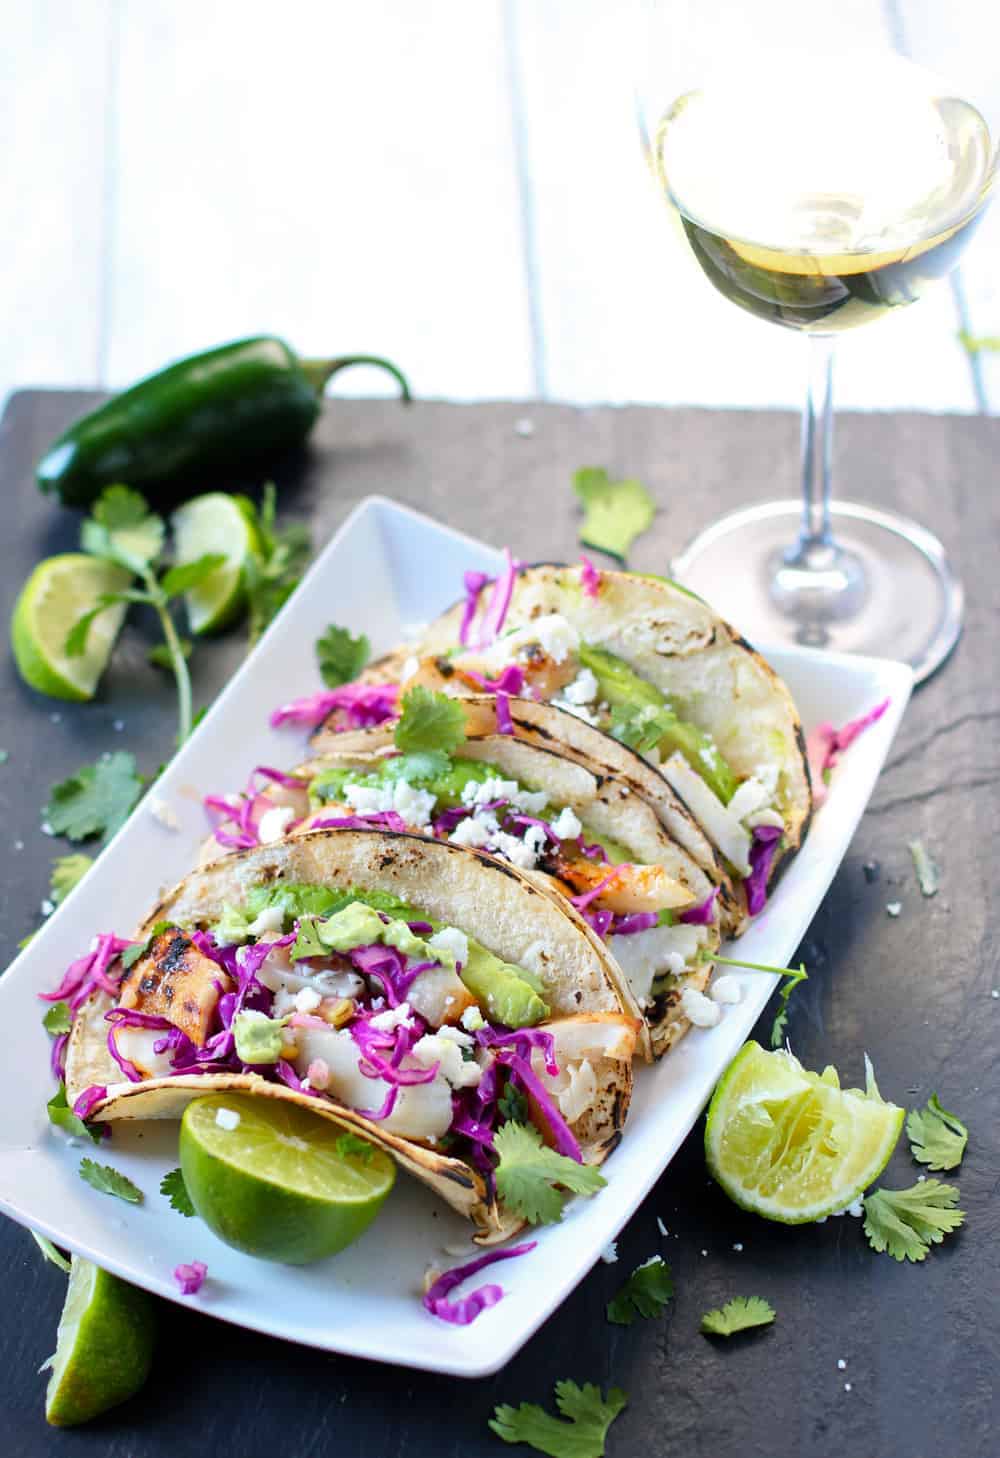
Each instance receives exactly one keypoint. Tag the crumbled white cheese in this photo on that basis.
(470, 832)
(738, 1246)
(472, 1019)
(393, 1017)
(536, 839)
(726, 990)
(513, 850)
(307, 1000)
(274, 823)
(475, 792)
(578, 1095)
(610, 1252)
(699, 1009)
(369, 799)
(532, 802)
(577, 710)
(443, 1048)
(227, 1119)
(894, 907)
(415, 806)
(164, 812)
(567, 824)
(271, 919)
(584, 688)
(841, 1365)
(662, 949)
(48, 907)
(524, 427)
(452, 942)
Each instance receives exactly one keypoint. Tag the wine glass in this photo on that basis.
(826, 164)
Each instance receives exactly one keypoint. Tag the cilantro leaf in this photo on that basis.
(58, 1019)
(97, 799)
(740, 1314)
(273, 571)
(186, 575)
(907, 1223)
(614, 512)
(341, 657)
(529, 1171)
(584, 1436)
(430, 720)
(122, 529)
(63, 1116)
(641, 728)
(512, 1106)
(67, 872)
(645, 1293)
(937, 1138)
(120, 506)
(172, 1185)
(110, 1181)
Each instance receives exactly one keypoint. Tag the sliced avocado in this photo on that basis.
(442, 776)
(620, 686)
(502, 989)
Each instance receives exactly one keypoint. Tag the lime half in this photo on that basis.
(793, 1145)
(282, 1184)
(214, 523)
(104, 1346)
(57, 594)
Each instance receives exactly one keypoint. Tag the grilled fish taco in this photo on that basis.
(651, 665)
(582, 831)
(411, 990)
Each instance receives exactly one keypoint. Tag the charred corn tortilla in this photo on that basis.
(501, 909)
(605, 803)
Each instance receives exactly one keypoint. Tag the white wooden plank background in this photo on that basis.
(456, 184)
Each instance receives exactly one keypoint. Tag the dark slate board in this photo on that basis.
(922, 1343)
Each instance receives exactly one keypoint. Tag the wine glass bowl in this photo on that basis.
(822, 183)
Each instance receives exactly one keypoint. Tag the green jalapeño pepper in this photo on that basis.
(217, 411)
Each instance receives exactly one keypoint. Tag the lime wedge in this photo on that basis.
(104, 1346)
(282, 1184)
(793, 1145)
(58, 593)
(214, 523)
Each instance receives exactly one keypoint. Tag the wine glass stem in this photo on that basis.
(817, 447)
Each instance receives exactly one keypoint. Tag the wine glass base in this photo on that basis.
(911, 607)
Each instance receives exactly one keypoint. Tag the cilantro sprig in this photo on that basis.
(58, 1019)
(110, 1181)
(340, 656)
(176, 1191)
(645, 1293)
(529, 1172)
(937, 1138)
(792, 977)
(583, 1435)
(742, 1313)
(906, 1223)
(615, 513)
(274, 568)
(62, 1116)
(429, 721)
(96, 800)
(123, 530)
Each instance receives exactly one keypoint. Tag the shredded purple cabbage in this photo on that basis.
(474, 583)
(57, 1057)
(510, 680)
(582, 902)
(89, 1099)
(762, 851)
(590, 578)
(532, 1085)
(380, 820)
(637, 921)
(362, 704)
(467, 1308)
(825, 745)
(89, 973)
(703, 914)
(190, 1277)
(505, 724)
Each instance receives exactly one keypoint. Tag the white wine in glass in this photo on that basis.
(820, 187)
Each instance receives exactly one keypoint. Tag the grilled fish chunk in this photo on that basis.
(176, 981)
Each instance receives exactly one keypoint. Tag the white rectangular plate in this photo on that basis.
(386, 568)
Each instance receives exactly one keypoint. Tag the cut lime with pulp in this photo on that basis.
(214, 523)
(793, 1145)
(56, 595)
(104, 1346)
(283, 1184)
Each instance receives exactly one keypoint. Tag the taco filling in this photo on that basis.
(355, 997)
